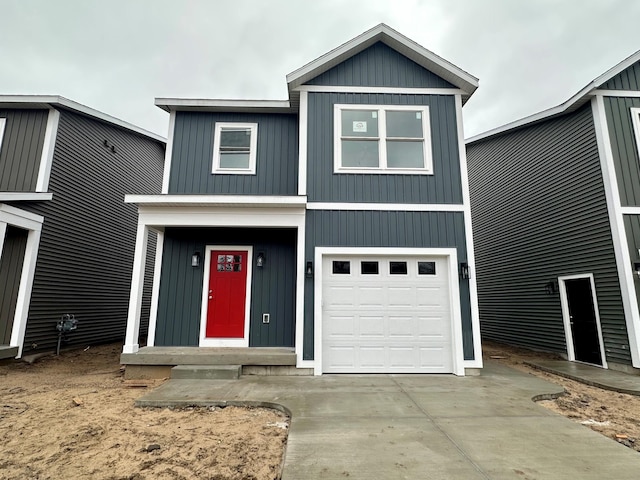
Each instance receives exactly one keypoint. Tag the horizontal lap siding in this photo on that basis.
(276, 159)
(539, 212)
(380, 66)
(324, 185)
(21, 149)
(272, 290)
(88, 237)
(331, 228)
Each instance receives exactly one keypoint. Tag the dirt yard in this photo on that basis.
(72, 416)
(615, 415)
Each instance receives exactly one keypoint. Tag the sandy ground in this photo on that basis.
(615, 415)
(72, 416)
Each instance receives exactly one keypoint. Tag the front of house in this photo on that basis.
(336, 223)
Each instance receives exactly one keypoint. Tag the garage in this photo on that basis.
(387, 314)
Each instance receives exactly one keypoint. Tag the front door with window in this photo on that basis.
(226, 305)
(582, 318)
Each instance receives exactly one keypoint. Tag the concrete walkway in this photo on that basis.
(419, 427)
(590, 375)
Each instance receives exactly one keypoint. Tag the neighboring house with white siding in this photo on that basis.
(335, 224)
(66, 236)
(555, 202)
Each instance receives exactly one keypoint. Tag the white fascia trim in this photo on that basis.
(25, 197)
(618, 93)
(49, 144)
(302, 143)
(225, 342)
(452, 256)
(568, 331)
(20, 218)
(401, 207)
(630, 210)
(223, 105)
(18, 101)
(155, 289)
(168, 153)
(266, 201)
(616, 69)
(407, 47)
(468, 232)
(393, 90)
(618, 234)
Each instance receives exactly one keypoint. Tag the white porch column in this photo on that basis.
(137, 284)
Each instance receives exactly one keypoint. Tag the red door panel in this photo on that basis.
(227, 294)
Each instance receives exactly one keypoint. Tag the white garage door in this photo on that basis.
(386, 315)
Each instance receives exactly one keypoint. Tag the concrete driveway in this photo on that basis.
(419, 426)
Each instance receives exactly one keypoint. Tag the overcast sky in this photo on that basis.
(118, 55)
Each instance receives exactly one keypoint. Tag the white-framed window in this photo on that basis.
(234, 148)
(635, 120)
(3, 122)
(382, 139)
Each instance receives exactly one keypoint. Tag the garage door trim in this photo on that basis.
(454, 292)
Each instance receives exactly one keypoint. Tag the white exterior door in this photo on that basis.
(386, 314)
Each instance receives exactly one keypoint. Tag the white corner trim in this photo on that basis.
(168, 153)
(379, 90)
(46, 160)
(456, 314)
(253, 145)
(618, 234)
(635, 120)
(630, 210)
(25, 197)
(32, 223)
(225, 342)
(3, 123)
(155, 289)
(131, 344)
(300, 324)
(468, 232)
(617, 93)
(302, 143)
(384, 207)
(568, 331)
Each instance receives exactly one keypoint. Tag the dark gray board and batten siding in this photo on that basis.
(276, 160)
(21, 149)
(333, 228)
(272, 286)
(539, 212)
(629, 79)
(15, 242)
(380, 66)
(88, 236)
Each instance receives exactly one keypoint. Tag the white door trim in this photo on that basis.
(568, 331)
(225, 342)
(454, 292)
(33, 224)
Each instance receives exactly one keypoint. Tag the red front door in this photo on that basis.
(227, 294)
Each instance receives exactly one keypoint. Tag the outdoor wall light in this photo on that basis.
(195, 259)
(464, 271)
(260, 259)
(551, 287)
(308, 271)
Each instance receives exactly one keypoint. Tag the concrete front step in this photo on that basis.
(7, 352)
(206, 372)
(209, 356)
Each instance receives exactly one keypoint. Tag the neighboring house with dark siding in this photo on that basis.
(66, 235)
(335, 224)
(555, 201)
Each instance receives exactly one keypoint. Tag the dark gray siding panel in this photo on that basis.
(632, 228)
(380, 66)
(331, 228)
(443, 186)
(629, 79)
(21, 149)
(88, 236)
(624, 148)
(539, 212)
(272, 290)
(276, 160)
(10, 270)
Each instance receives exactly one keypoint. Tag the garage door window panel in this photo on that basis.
(398, 268)
(426, 268)
(341, 268)
(369, 268)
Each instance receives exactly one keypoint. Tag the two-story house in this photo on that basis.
(66, 237)
(556, 208)
(335, 224)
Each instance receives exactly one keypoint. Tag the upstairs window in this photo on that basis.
(234, 148)
(382, 139)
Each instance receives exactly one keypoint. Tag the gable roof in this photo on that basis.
(575, 102)
(387, 35)
(56, 101)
